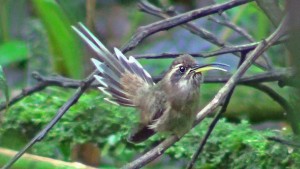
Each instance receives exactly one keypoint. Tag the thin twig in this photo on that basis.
(221, 51)
(147, 7)
(243, 33)
(270, 76)
(169, 23)
(25, 92)
(214, 122)
(285, 142)
(273, 94)
(272, 10)
(234, 27)
(280, 100)
(43, 82)
(209, 108)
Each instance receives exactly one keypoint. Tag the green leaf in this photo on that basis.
(3, 85)
(13, 51)
(67, 56)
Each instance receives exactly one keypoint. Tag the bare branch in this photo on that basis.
(274, 95)
(43, 82)
(243, 33)
(272, 10)
(234, 27)
(147, 7)
(214, 122)
(224, 50)
(166, 24)
(285, 142)
(271, 76)
(25, 92)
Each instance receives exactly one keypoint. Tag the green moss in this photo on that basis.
(93, 120)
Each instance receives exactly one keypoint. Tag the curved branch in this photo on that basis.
(272, 94)
(145, 6)
(243, 33)
(285, 142)
(43, 82)
(25, 92)
(215, 120)
(228, 49)
(166, 24)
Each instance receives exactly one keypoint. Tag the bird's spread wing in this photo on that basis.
(142, 132)
(155, 107)
(120, 77)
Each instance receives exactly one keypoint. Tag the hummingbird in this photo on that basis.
(168, 106)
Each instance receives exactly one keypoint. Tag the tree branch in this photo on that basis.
(221, 51)
(232, 26)
(25, 92)
(243, 33)
(285, 142)
(43, 82)
(145, 6)
(215, 121)
(166, 24)
(274, 95)
(272, 10)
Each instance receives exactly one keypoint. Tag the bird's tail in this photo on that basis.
(119, 77)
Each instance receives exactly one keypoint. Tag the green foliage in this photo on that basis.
(3, 21)
(236, 146)
(13, 51)
(67, 56)
(92, 120)
(3, 85)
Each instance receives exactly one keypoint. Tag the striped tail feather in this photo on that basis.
(113, 69)
(102, 52)
(134, 66)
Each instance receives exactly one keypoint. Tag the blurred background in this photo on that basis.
(36, 36)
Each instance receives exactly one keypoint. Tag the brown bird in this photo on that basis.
(167, 106)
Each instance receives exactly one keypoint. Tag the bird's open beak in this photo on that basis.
(207, 67)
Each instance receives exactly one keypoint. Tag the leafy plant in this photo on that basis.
(13, 51)
(3, 85)
(67, 56)
(93, 120)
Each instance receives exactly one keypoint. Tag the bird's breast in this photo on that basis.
(183, 95)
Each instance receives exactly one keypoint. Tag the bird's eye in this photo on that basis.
(182, 69)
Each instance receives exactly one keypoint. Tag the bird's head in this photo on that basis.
(185, 72)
